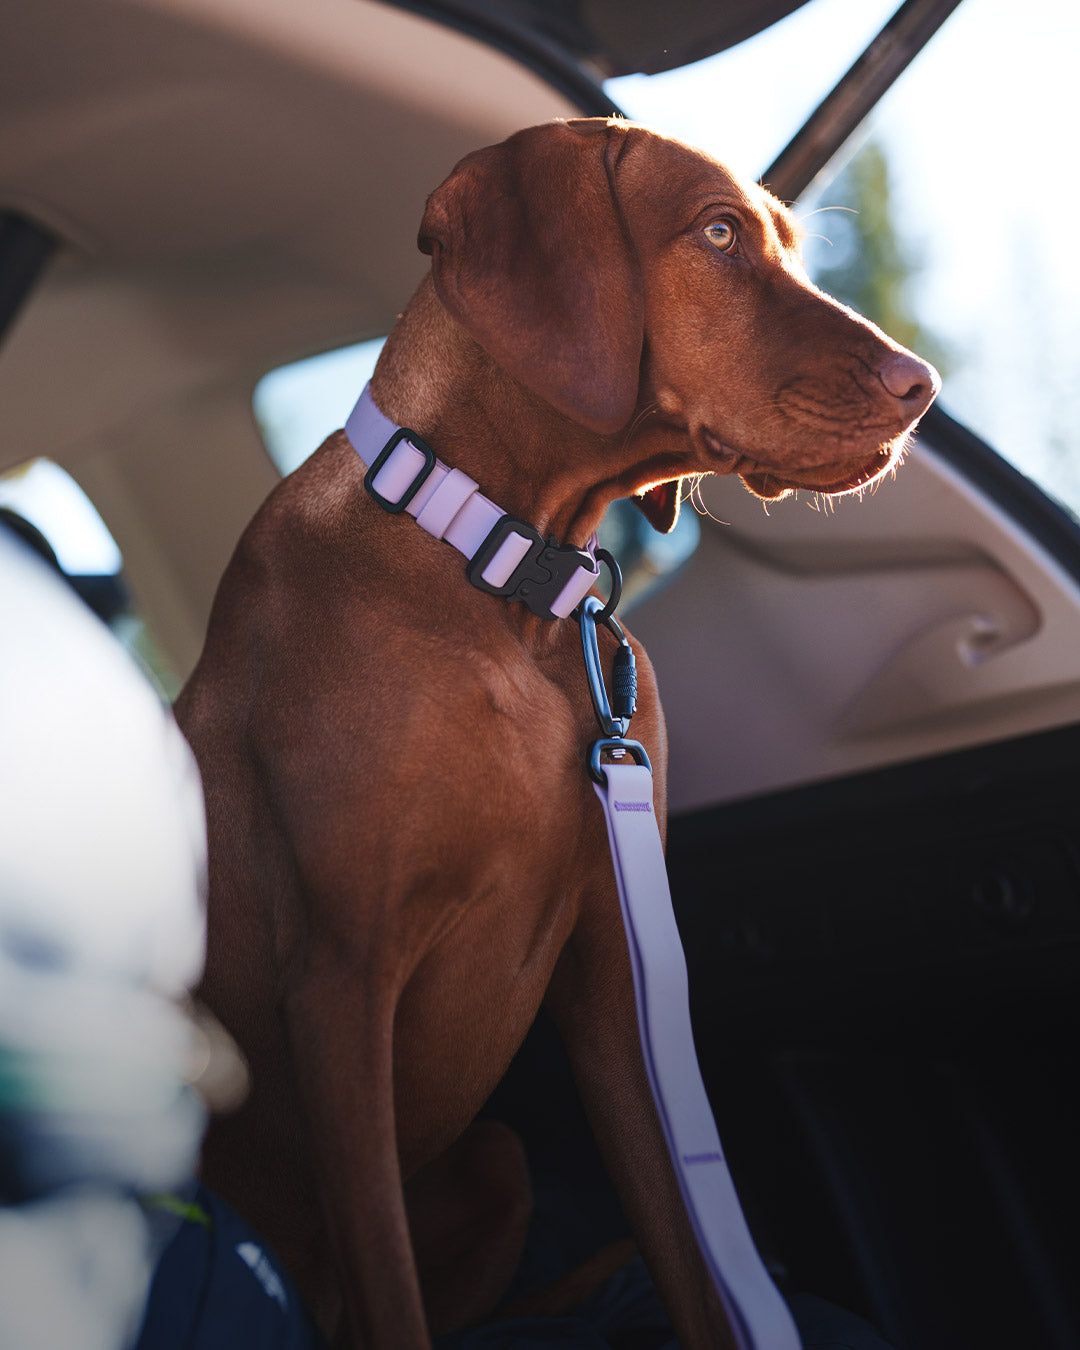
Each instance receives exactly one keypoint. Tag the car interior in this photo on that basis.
(873, 704)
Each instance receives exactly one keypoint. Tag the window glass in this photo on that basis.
(44, 506)
(50, 499)
(297, 406)
(966, 196)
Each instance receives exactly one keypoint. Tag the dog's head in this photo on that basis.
(634, 283)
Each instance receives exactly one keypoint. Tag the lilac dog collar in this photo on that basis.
(506, 556)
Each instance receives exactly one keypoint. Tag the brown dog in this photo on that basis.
(406, 853)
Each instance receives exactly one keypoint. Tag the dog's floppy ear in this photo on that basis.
(660, 504)
(529, 254)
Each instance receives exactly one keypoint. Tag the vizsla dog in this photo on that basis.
(407, 856)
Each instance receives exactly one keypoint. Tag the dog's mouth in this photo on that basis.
(830, 479)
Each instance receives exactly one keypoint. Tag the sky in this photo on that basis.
(742, 105)
(979, 134)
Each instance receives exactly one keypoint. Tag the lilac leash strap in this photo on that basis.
(759, 1317)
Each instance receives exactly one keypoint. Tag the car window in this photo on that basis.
(44, 506)
(951, 223)
(298, 405)
(51, 500)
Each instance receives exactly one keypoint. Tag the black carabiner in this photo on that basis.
(615, 721)
(609, 725)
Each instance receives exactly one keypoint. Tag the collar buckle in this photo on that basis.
(540, 576)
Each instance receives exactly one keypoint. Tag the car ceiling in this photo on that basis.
(235, 183)
(246, 136)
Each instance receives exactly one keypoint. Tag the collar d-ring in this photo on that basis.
(615, 572)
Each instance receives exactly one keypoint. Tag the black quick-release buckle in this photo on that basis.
(539, 577)
(401, 434)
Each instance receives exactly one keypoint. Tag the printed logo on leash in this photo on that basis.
(264, 1272)
(633, 806)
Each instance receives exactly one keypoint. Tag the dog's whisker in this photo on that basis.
(697, 501)
(818, 211)
(640, 416)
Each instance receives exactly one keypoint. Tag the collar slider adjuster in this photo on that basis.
(422, 475)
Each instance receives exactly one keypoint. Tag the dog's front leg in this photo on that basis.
(592, 1000)
(340, 1028)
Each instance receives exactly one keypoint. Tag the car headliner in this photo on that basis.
(235, 183)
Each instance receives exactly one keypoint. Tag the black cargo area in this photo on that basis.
(885, 981)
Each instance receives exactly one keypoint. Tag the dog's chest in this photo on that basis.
(471, 999)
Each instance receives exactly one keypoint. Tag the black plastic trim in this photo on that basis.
(546, 58)
(1028, 759)
(827, 129)
(947, 881)
(25, 248)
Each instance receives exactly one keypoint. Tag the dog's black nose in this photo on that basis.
(914, 382)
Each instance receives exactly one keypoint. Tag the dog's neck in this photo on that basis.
(537, 464)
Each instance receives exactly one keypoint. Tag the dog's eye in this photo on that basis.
(722, 234)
